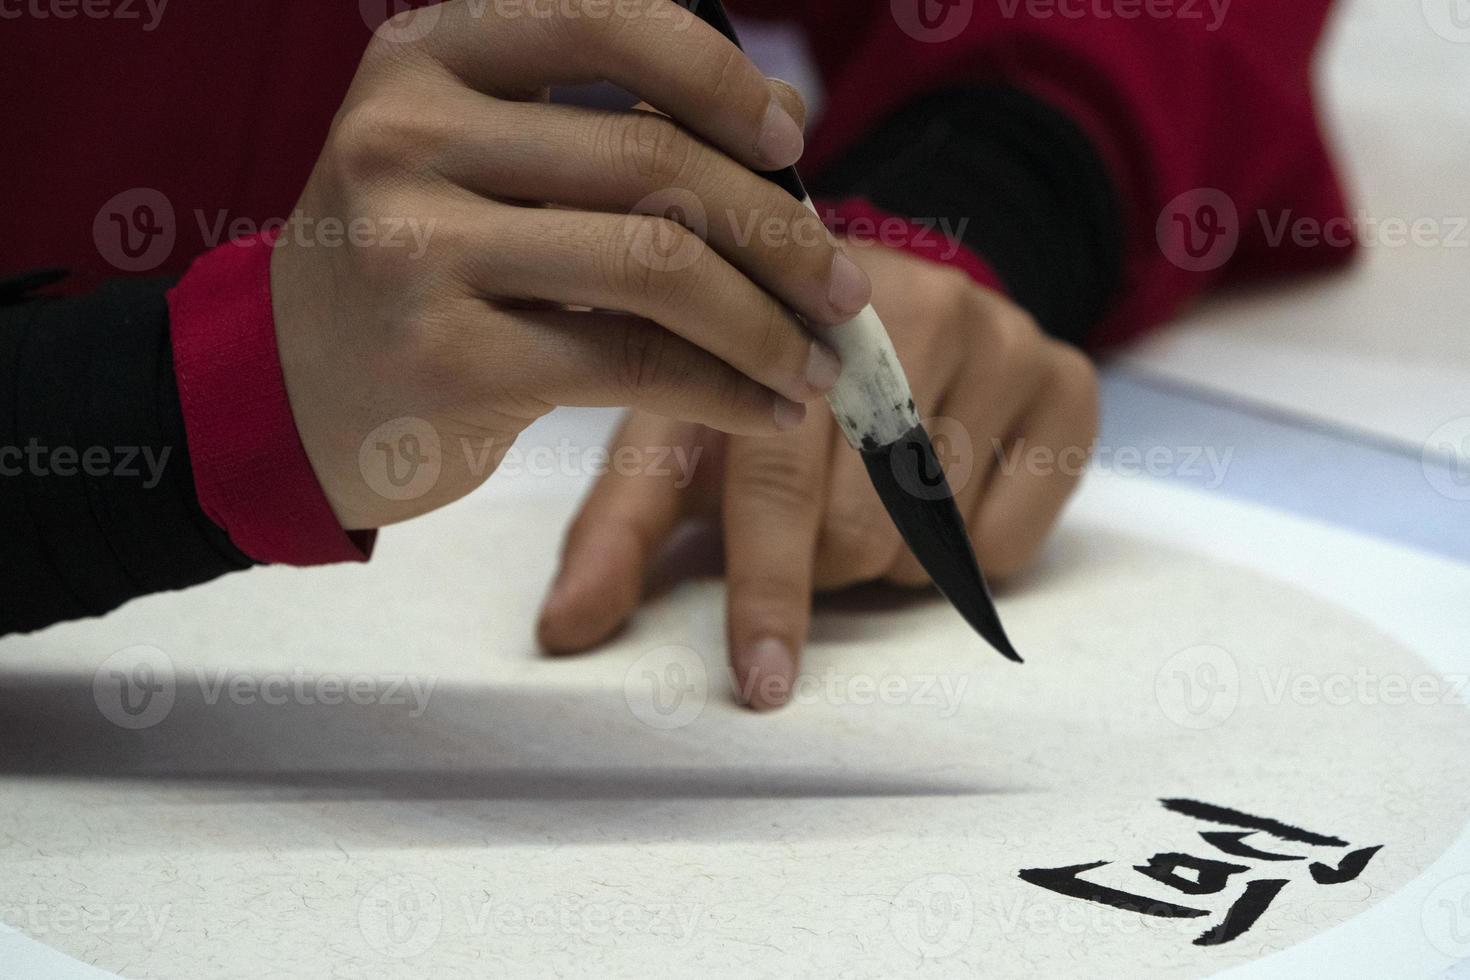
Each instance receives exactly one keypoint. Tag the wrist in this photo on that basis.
(252, 472)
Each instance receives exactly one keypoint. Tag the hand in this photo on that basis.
(797, 509)
(501, 311)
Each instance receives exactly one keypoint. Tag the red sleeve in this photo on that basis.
(251, 471)
(1201, 109)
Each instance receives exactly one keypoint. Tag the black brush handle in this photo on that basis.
(712, 12)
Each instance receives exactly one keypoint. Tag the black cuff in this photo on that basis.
(97, 500)
(1035, 198)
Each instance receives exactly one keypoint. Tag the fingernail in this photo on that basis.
(788, 414)
(769, 666)
(822, 367)
(780, 142)
(848, 289)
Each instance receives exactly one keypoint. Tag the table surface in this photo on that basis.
(1288, 461)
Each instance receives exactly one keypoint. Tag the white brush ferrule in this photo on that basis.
(872, 400)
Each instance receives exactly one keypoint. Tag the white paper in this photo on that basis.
(495, 813)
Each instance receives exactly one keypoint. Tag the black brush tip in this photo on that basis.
(911, 483)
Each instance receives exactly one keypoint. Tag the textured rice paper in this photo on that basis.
(499, 814)
(1381, 349)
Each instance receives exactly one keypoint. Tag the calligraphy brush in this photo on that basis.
(875, 410)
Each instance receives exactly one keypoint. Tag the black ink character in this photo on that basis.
(1192, 875)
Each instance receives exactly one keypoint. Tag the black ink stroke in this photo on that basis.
(1232, 842)
(1221, 814)
(1347, 869)
(1244, 913)
(1213, 875)
(1065, 881)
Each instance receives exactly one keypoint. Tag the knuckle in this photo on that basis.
(776, 341)
(1074, 368)
(381, 136)
(652, 148)
(768, 598)
(943, 294)
(803, 247)
(775, 480)
(729, 74)
(431, 352)
(1012, 333)
(732, 396)
(388, 266)
(644, 363)
(392, 42)
(1075, 385)
(853, 543)
(655, 259)
(960, 303)
(368, 227)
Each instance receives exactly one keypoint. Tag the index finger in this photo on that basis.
(653, 48)
(775, 490)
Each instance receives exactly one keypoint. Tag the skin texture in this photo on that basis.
(797, 511)
(542, 221)
(587, 257)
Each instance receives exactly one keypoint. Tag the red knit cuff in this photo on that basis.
(857, 218)
(251, 472)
